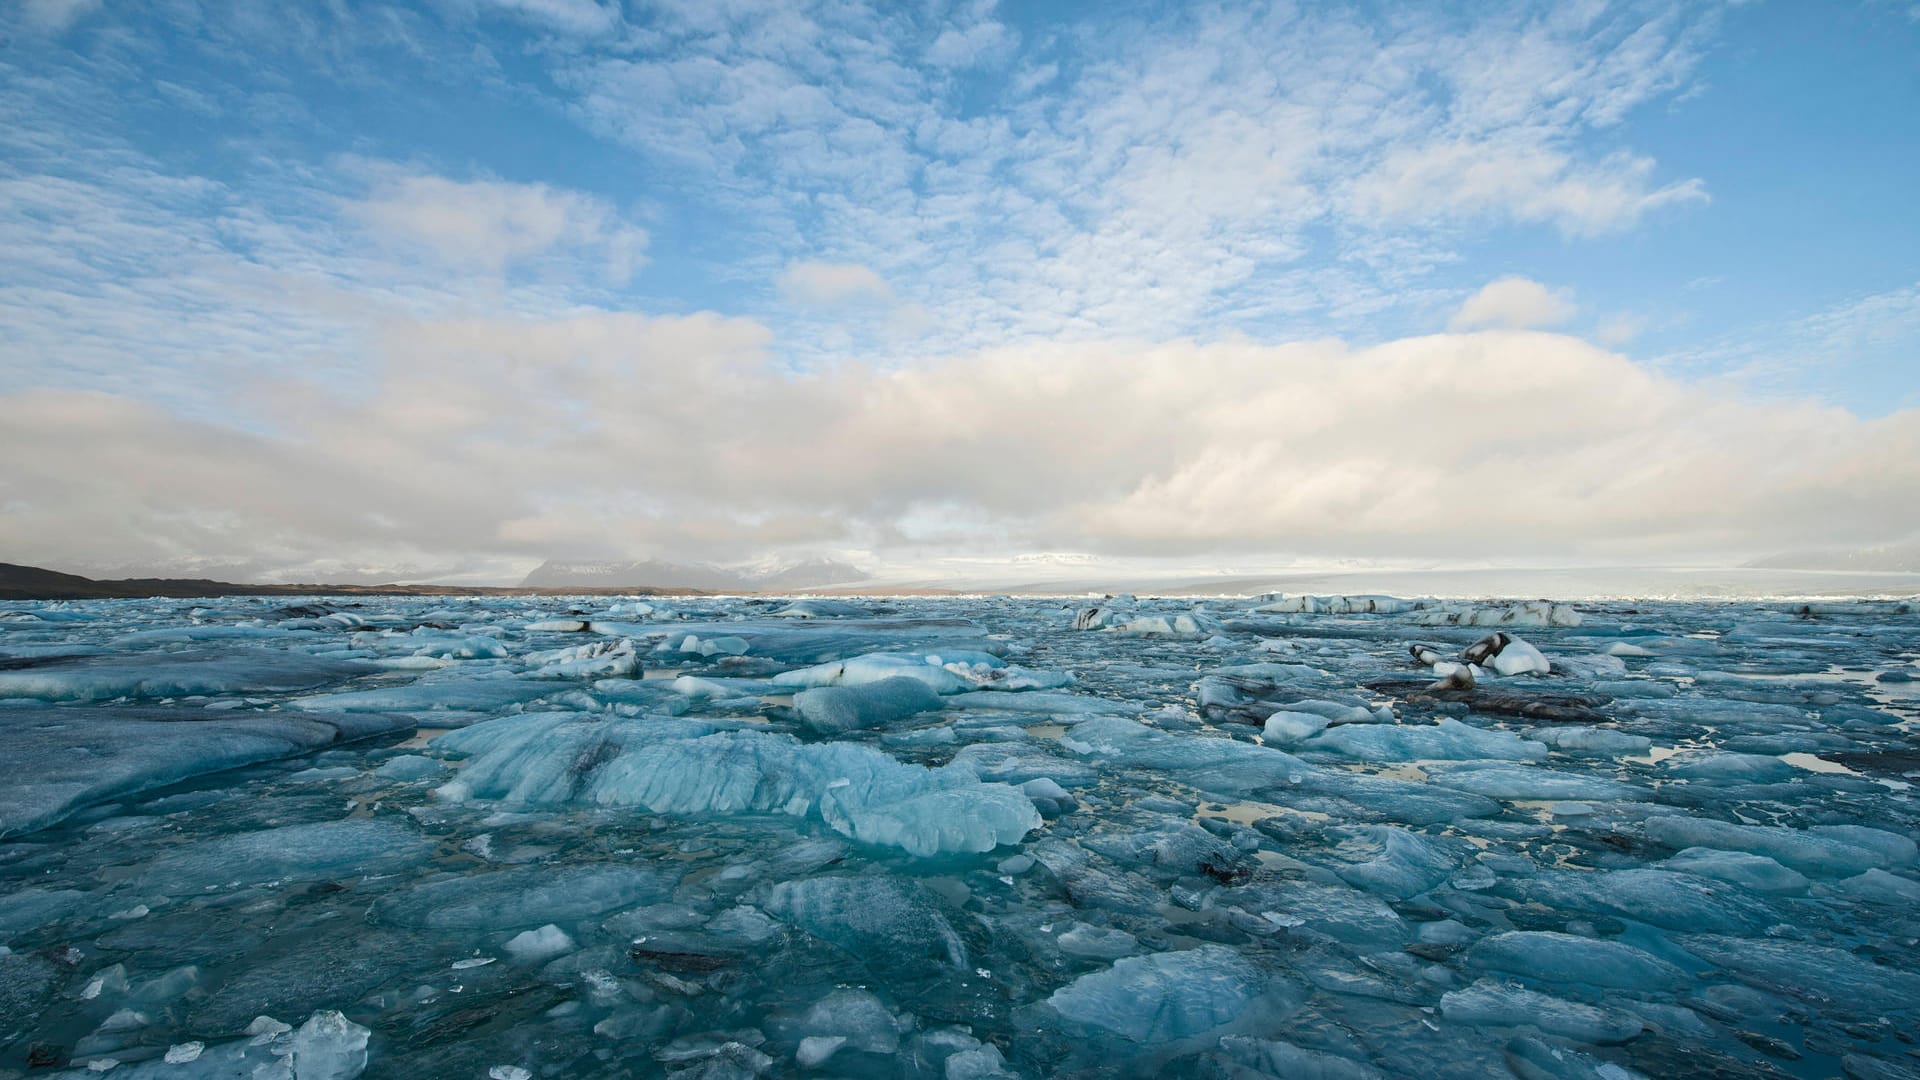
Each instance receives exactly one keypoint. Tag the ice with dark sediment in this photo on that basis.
(958, 837)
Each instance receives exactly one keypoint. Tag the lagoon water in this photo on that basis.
(957, 837)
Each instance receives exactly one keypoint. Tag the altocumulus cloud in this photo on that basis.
(491, 440)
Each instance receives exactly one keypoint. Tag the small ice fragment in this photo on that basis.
(1097, 943)
(329, 1047)
(508, 1072)
(472, 962)
(181, 1053)
(267, 1026)
(816, 1049)
(102, 1064)
(533, 946)
(1044, 788)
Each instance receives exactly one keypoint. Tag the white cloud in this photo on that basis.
(1514, 302)
(973, 45)
(605, 433)
(1177, 180)
(832, 284)
(494, 224)
(55, 16)
(1863, 346)
(572, 16)
(1527, 183)
(1616, 330)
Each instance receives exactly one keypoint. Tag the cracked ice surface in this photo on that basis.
(958, 837)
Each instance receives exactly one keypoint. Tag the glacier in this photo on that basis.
(541, 836)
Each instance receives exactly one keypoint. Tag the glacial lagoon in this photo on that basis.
(963, 837)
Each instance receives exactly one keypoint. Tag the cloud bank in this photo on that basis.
(607, 434)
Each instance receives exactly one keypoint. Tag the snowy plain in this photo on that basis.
(1288, 836)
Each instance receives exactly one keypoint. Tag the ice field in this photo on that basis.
(1319, 837)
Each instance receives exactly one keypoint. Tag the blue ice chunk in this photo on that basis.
(1403, 800)
(820, 609)
(1184, 848)
(1530, 783)
(721, 689)
(1226, 766)
(1097, 943)
(853, 1019)
(705, 645)
(357, 847)
(951, 671)
(1065, 708)
(832, 709)
(1190, 624)
(1755, 872)
(874, 667)
(1726, 765)
(468, 647)
(1598, 741)
(1271, 1058)
(454, 694)
(592, 660)
(27, 909)
(874, 918)
(1017, 763)
(1342, 913)
(1391, 862)
(527, 896)
(1495, 1004)
(167, 674)
(1165, 996)
(1566, 958)
(409, 767)
(1447, 740)
(678, 767)
(1878, 886)
(1822, 851)
(60, 760)
(1660, 898)
(1834, 978)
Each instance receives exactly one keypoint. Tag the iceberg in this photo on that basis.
(168, 674)
(875, 918)
(687, 768)
(830, 709)
(1164, 996)
(60, 761)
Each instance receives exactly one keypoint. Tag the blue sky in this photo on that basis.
(492, 280)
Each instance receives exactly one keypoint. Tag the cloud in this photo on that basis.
(1514, 302)
(571, 16)
(1864, 343)
(611, 434)
(495, 224)
(1527, 183)
(976, 44)
(55, 16)
(832, 284)
(1172, 181)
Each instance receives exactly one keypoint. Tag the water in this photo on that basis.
(492, 857)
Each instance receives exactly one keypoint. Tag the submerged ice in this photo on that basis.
(1334, 836)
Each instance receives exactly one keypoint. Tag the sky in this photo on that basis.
(447, 289)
